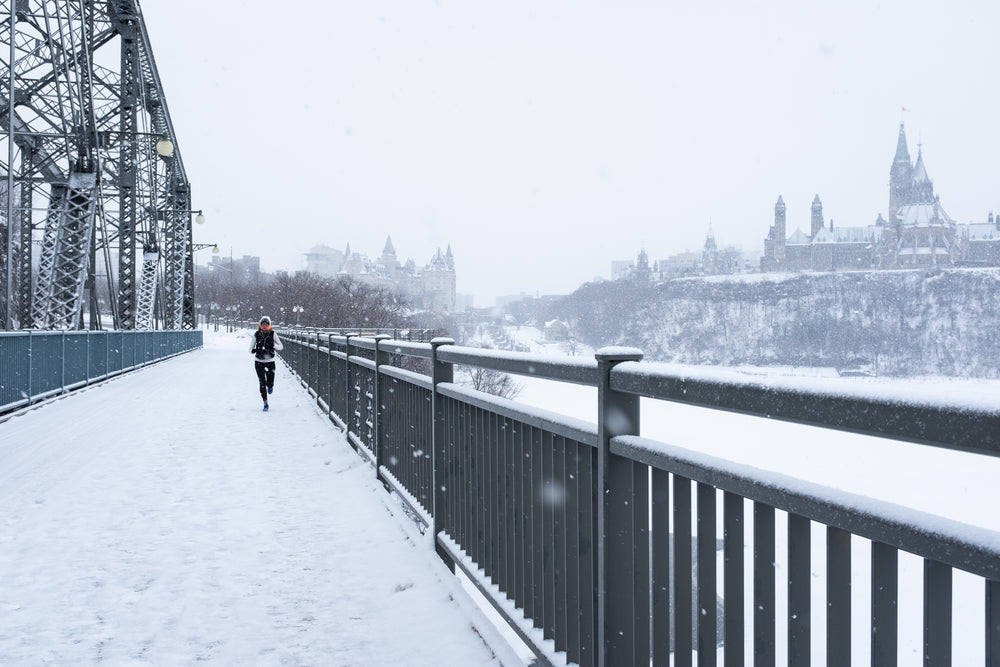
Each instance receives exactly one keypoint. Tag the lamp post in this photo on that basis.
(231, 318)
(198, 218)
(298, 311)
(214, 307)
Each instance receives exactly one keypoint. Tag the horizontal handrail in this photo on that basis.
(885, 412)
(577, 371)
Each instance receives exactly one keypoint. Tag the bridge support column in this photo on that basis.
(622, 554)
(440, 372)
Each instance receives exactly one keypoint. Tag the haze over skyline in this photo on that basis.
(544, 140)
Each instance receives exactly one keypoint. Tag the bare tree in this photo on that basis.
(490, 381)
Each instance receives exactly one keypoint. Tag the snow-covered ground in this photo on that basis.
(161, 518)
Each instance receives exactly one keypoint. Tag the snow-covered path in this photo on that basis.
(162, 519)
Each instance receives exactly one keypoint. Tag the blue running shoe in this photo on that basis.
(270, 390)
(265, 407)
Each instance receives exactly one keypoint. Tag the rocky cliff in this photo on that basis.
(896, 323)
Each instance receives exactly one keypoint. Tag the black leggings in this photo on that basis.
(265, 373)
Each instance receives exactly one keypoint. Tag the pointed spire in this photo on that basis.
(919, 170)
(388, 249)
(347, 251)
(902, 152)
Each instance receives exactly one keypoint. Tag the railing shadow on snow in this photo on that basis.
(569, 529)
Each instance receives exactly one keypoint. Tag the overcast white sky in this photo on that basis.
(544, 139)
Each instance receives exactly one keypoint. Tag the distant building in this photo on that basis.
(324, 260)
(556, 330)
(681, 264)
(246, 269)
(712, 260)
(431, 288)
(438, 283)
(918, 231)
(621, 268)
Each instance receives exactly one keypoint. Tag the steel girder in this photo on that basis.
(81, 108)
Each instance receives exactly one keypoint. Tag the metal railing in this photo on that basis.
(35, 365)
(584, 537)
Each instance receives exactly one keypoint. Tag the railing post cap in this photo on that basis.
(612, 353)
(442, 341)
(382, 336)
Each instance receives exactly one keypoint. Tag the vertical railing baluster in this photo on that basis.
(483, 489)
(885, 614)
(571, 477)
(468, 453)
(501, 501)
(733, 579)
(476, 486)
(522, 472)
(493, 479)
(660, 539)
(937, 614)
(992, 623)
(557, 498)
(512, 504)
(489, 442)
(548, 531)
(838, 596)
(456, 416)
(763, 586)
(537, 530)
(640, 557)
(588, 501)
(707, 579)
(799, 582)
(683, 573)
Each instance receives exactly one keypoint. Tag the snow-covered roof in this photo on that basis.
(848, 234)
(797, 238)
(980, 231)
(924, 215)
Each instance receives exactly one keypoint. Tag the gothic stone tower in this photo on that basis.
(817, 217)
(900, 177)
(779, 230)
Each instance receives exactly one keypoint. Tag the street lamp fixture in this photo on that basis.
(199, 218)
(298, 311)
(164, 146)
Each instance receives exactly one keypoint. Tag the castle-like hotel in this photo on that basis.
(917, 233)
(430, 288)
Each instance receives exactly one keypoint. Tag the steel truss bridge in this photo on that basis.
(87, 202)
